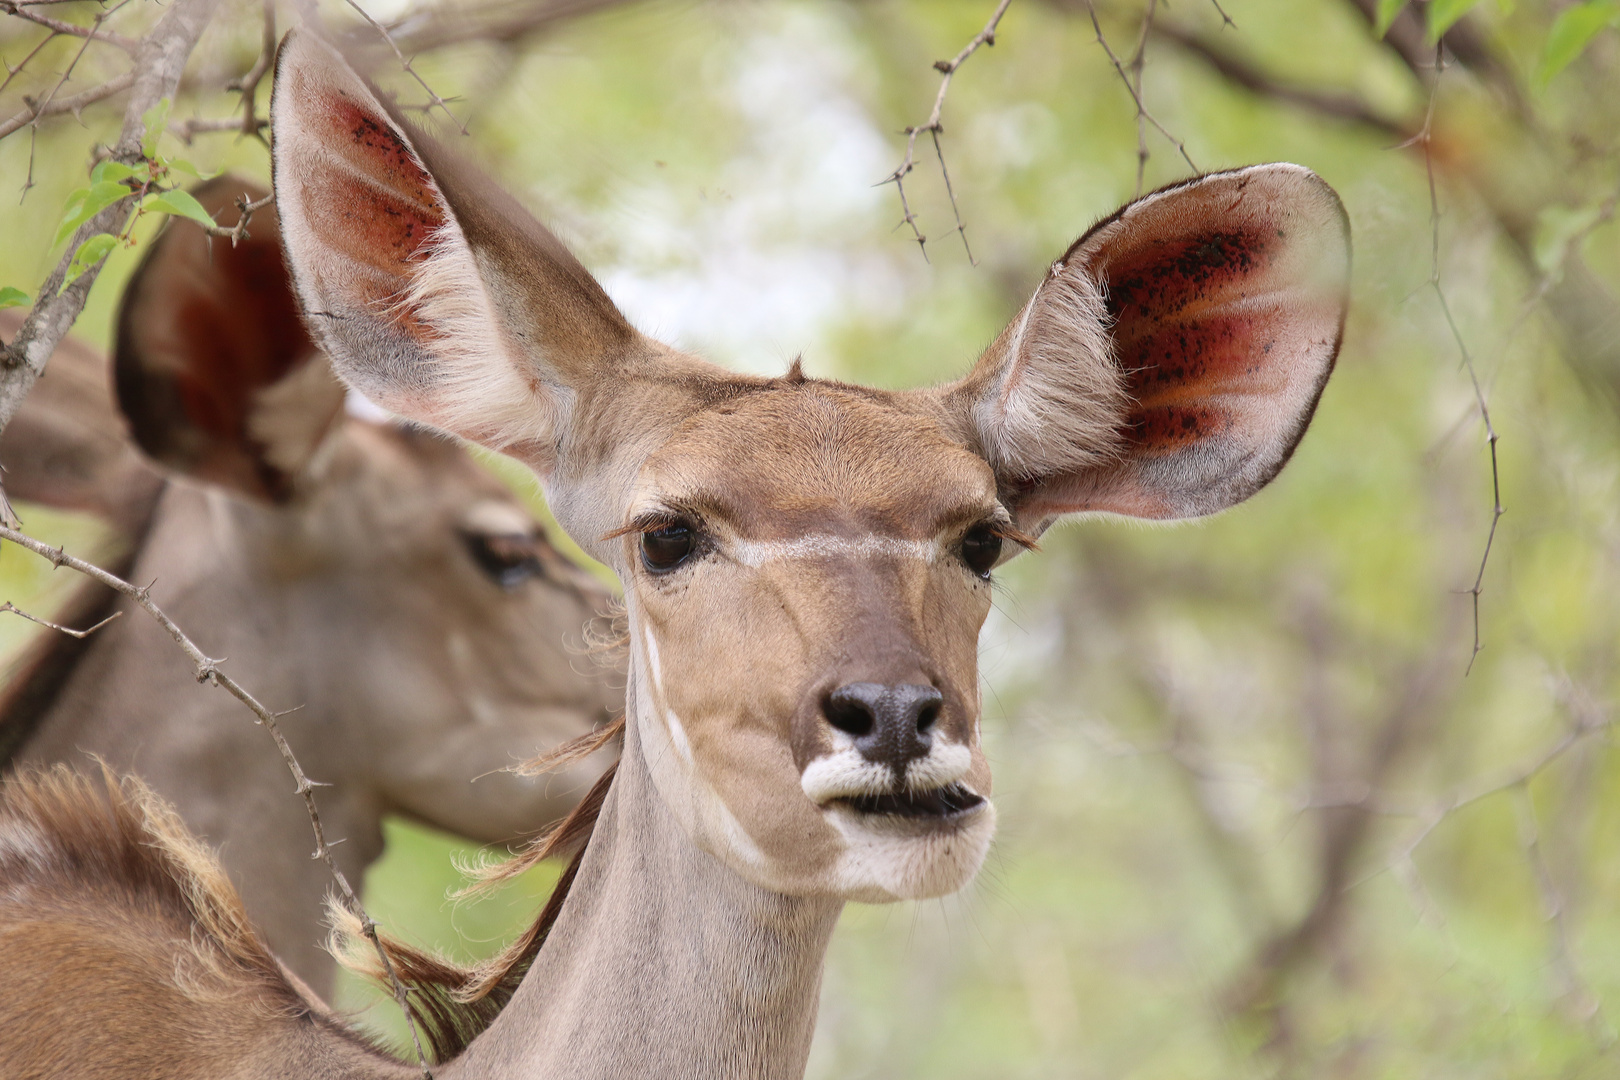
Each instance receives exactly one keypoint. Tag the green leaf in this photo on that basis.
(110, 170)
(10, 297)
(85, 204)
(1387, 10)
(1443, 14)
(184, 166)
(156, 120)
(181, 204)
(89, 254)
(1571, 32)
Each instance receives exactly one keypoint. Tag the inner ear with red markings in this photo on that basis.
(435, 293)
(213, 367)
(1170, 361)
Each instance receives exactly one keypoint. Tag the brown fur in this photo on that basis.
(105, 891)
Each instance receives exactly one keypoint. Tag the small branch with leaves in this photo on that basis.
(933, 127)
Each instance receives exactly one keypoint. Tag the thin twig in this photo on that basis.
(437, 101)
(207, 671)
(248, 85)
(1585, 1004)
(1138, 62)
(13, 72)
(934, 127)
(1236, 69)
(39, 109)
(1424, 138)
(57, 26)
(1141, 109)
(73, 104)
(238, 232)
(68, 630)
(187, 130)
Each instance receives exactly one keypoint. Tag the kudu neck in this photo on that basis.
(662, 963)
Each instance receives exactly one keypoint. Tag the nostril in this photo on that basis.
(848, 713)
(927, 716)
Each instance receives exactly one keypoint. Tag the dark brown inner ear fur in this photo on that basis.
(203, 327)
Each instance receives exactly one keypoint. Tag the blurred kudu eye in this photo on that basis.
(667, 546)
(509, 558)
(981, 547)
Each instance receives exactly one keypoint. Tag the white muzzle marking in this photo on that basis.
(845, 774)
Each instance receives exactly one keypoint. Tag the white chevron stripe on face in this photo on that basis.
(755, 553)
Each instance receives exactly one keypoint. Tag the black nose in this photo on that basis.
(891, 724)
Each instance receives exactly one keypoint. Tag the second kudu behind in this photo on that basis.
(807, 566)
(373, 577)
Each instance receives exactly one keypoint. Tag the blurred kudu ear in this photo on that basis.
(1170, 361)
(436, 294)
(67, 445)
(213, 367)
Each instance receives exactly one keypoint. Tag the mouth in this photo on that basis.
(941, 804)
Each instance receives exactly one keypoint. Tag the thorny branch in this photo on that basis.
(38, 110)
(187, 130)
(435, 100)
(248, 85)
(236, 233)
(1424, 138)
(57, 26)
(934, 127)
(1138, 62)
(1142, 112)
(208, 672)
(68, 630)
(53, 107)
(1241, 72)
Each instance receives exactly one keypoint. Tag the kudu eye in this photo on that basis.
(667, 546)
(981, 548)
(509, 558)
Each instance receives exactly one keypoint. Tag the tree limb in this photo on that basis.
(130, 45)
(71, 104)
(1241, 72)
(159, 65)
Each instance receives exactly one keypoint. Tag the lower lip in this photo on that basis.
(910, 819)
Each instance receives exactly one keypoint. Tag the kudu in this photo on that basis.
(806, 564)
(372, 576)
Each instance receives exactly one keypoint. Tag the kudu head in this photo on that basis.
(370, 570)
(807, 563)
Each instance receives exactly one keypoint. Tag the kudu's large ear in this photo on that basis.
(214, 369)
(1170, 361)
(435, 293)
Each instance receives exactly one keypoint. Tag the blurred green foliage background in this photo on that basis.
(1259, 816)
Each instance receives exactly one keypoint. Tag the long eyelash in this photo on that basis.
(1007, 532)
(651, 521)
